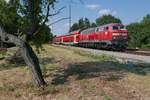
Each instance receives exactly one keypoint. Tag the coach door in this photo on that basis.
(75, 39)
(62, 40)
(106, 33)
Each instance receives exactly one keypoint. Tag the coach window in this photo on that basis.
(97, 29)
(106, 28)
(101, 29)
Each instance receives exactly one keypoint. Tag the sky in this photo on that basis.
(128, 11)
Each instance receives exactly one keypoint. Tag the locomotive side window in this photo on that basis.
(106, 28)
(122, 27)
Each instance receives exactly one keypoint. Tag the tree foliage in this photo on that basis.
(27, 17)
(139, 33)
(81, 24)
(106, 19)
(74, 27)
(26, 21)
(9, 16)
(85, 22)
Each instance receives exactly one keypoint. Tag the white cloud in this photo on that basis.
(107, 11)
(7, 1)
(93, 6)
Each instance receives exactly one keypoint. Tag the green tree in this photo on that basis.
(106, 19)
(139, 33)
(81, 24)
(9, 16)
(29, 18)
(87, 23)
(74, 27)
(93, 24)
(134, 31)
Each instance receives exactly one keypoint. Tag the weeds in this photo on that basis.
(9, 66)
(49, 89)
(106, 97)
(102, 57)
(44, 70)
(17, 94)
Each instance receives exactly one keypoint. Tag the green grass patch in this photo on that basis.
(10, 66)
(49, 89)
(106, 96)
(102, 57)
(2, 54)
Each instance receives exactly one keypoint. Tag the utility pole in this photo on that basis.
(69, 16)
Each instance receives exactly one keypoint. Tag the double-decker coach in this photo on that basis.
(71, 38)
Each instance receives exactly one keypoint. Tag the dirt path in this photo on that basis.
(72, 76)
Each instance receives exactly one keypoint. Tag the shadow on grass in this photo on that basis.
(9, 65)
(107, 70)
(47, 60)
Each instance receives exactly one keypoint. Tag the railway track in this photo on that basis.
(138, 52)
(124, 57)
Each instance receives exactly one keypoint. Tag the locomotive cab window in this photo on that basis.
(118, 27)
(122, 27)
(115, 28)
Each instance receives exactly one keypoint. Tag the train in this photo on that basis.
(111, 36)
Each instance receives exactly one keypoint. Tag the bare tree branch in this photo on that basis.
(48, 15)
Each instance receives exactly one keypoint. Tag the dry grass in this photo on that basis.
(74, 75)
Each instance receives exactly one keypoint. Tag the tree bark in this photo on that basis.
(28, 55)
(33, 63)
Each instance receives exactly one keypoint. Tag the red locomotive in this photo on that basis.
(110, 36)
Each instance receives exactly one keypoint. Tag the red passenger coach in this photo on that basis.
(69, 39)
(111, 36)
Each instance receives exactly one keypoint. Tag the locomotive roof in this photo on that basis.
(94, 28)
(111, 24)
(70, 33)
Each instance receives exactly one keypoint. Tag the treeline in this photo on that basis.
(139, 32)
(84, 23)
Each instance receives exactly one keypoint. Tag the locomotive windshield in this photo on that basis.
(118, 27)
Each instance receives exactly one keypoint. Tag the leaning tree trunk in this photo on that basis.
(28, 55)
(32, 61)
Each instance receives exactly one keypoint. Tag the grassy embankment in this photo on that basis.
(73, 74)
